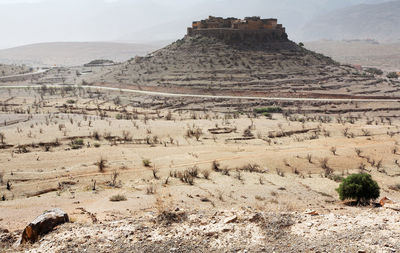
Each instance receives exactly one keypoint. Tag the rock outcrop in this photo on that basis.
(43, 224)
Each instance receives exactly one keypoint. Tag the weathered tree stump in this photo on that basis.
(44, 224)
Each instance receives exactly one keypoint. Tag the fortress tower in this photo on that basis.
(238, 29)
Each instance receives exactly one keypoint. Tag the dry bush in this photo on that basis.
(252, 168)
(358, 152)
(194, 132)
(193, 171)
(238, 175)
(259, 198)
(309, 158)
(395, 187)
(206, 174)
(126, 135)
(2, 138)
(117, 198)
(101, 164)
(333, 150)
(186, 177)
(155, 172)
(215, 166)
(366, 132)
(114, 177)
(96, 135)
(225, 172)
(324, 165)
(280, 172)
(151, 189)
(1, 178)
(146, 162)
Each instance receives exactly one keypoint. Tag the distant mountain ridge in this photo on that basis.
(365, 21)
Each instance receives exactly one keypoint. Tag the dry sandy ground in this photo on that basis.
(60, 176)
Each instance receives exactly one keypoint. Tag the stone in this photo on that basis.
(43, 224)
(385, 200)
(230, 219)
(394, 207)
(255, 217)
(312, 212)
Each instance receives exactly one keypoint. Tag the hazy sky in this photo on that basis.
(32, 21)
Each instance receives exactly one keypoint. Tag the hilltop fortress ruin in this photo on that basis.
(233, 29)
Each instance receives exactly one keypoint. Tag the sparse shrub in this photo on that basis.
(358, 152)
(96, 135)
(146, 162)
(359, 187)
(238, 175)
(117, 198)
(8, 185)
(280, 172)
(252, 168)
(114, 177)
(267, 110)
(395, 187)
(225, 172)
(77, 144)
(206, 174)
(336, 178)
(309, 158)
(97, 145)
(2, 138)
(155, 172)
(194, 171)
(374, 71)
(392, 75)
(215, 166)
(186, 177)
(151, 189)
(366, 132)
(101, 164)
(333, 150)
(324, 165)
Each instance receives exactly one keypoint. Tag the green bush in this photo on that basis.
(392, 75)
(374, 71)
(77, 144)
(359, 187)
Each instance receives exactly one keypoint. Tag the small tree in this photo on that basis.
(360, 187)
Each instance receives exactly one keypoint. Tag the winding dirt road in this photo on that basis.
(166, 94)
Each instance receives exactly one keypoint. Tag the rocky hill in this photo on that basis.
(365, 21)
(250, 65)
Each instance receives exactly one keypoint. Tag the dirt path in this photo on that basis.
(166, 94)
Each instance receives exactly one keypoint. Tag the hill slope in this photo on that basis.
(8, 70)
(366, 21)
(72, 53)
(204, 64)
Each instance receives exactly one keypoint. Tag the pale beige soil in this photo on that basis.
(64, 177)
